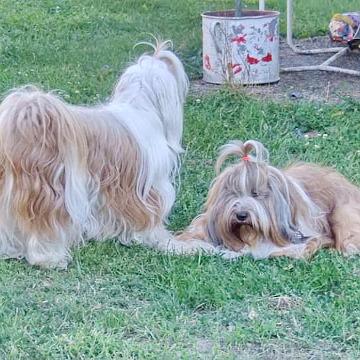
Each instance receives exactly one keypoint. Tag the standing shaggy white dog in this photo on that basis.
(72, 173)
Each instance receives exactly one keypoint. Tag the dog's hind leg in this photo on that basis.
(48, 253)
(43, 152)
(11, 246)
(345, 223)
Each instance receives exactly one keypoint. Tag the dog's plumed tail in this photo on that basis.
(174, 64)
(162, 52)
(157, 83)
(43, 167)
(249, 151)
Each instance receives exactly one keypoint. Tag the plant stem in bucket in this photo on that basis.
(237, 8)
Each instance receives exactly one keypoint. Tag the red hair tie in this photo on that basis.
(246, 158)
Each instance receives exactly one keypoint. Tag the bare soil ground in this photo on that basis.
(307, 85)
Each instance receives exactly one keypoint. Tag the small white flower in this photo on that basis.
(317, 146)
(252, 314)
(325, 136)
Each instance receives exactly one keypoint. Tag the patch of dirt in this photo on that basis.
(291, 351)
(284, 302)
(306, 85)
(204, 346)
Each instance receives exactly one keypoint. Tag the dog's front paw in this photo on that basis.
(231, 254)
(198, 246)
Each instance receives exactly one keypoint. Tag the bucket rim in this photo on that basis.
(255, 14)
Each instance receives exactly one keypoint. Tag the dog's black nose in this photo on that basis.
(242, 215)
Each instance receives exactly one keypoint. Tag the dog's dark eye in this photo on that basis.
(254, 194)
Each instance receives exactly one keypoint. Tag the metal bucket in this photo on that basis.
(241, 50)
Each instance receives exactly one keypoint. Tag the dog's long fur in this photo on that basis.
(72, 173)
(257, 209)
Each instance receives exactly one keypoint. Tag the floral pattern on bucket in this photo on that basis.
(245, 52)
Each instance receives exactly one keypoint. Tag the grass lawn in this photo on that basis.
(132, 303)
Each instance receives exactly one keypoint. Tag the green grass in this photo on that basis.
(118, 302)
(81, 45)
(132, 303)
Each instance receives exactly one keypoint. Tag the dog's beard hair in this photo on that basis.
(69, 173)
(279, 209)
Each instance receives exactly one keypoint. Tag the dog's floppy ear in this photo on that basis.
(292, 207)
(251, 150)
